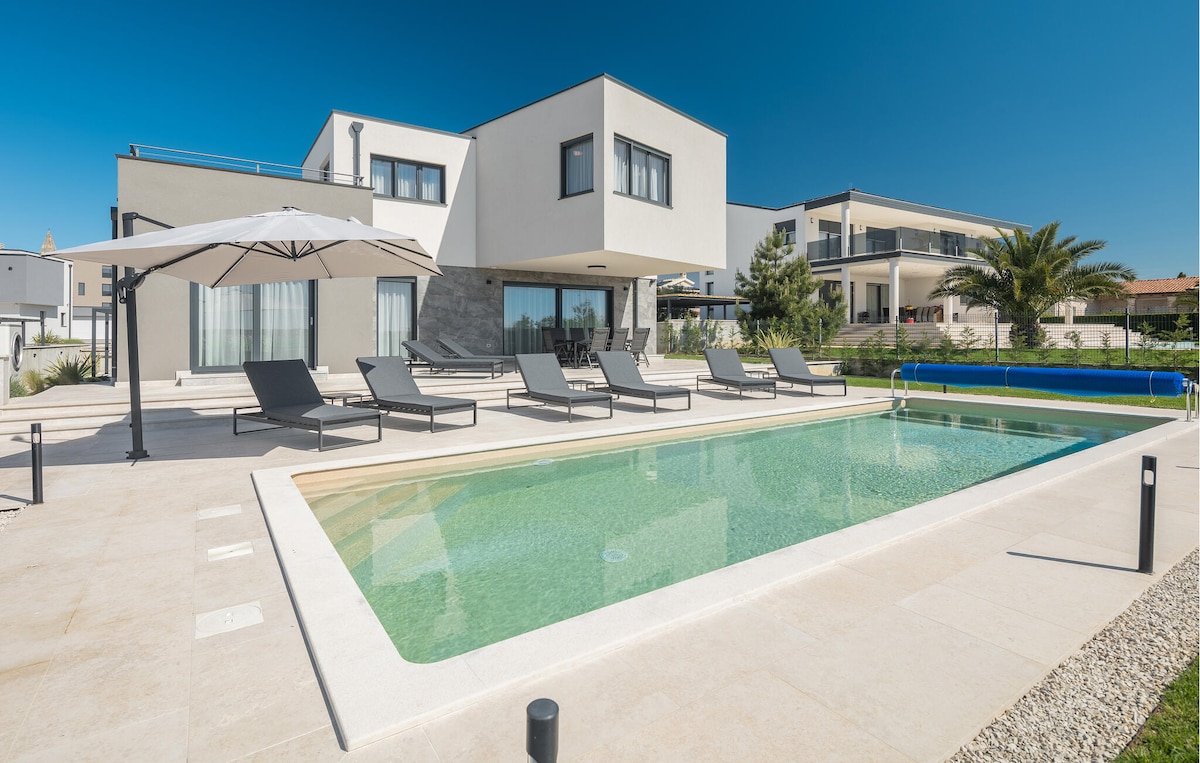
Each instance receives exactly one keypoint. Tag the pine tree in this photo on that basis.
(780, 285)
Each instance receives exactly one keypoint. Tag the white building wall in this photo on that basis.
(693, 228)
(446, 231)
(519, 213)
(746, 227)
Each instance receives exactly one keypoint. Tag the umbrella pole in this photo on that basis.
(128, 291)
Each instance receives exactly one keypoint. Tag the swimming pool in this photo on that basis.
(373, 692)
(458, 561)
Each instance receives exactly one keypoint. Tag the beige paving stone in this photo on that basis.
(161, 739)
(251, 695)
(322, 745)
(17, 685)
(920, 686)
(597, 699)
(829, 600)
(35, 610)
(1023, 634)
(279, 617)
(241, 578)
(163, 581)
(758, 717)
(728, 644)
(114, 674)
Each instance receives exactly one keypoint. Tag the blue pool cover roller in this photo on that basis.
(1082, 382)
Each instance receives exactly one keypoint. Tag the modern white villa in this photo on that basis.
(885, 253)
(558, 214)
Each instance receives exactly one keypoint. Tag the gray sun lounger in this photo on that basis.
(545, 384)
(623, 377)
(439, 362)
(791, 368)
(725, 370)
(458, 351)
(393, 389)
(288, 397)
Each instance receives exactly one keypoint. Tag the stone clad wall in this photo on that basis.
(464, 306)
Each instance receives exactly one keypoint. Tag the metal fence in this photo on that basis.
(1135, 340)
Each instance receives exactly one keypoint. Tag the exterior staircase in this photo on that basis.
(855, 334)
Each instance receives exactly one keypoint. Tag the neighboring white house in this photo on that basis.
(556, 214)
(893, 254)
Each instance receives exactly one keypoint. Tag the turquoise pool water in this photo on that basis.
(464, 560)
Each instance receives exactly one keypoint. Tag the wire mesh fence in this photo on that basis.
(1130, 340)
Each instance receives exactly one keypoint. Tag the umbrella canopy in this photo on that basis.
(275, 246)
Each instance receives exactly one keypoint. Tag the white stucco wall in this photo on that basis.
(446, 231)
(518, 169)
(692, 229)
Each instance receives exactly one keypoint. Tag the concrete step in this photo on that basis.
(89, 407)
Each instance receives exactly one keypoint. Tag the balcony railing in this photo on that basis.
(893, 240)
(242, 165)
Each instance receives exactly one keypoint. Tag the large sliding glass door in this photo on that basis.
(528, 308)
(395, 314)
(233, 324)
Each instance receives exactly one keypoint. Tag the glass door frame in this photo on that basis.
(255, 330)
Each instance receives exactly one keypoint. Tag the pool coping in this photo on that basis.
(373, 693)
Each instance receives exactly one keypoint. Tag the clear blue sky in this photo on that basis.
(1083, 111)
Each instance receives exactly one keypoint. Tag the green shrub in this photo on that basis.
(34, 381)
(765, 339)
(69, 370)
(16, 388)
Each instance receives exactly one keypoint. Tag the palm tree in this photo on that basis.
(1025, 275)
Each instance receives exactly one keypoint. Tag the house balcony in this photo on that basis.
(885, 241)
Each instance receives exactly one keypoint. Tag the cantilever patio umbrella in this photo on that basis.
(276, 246)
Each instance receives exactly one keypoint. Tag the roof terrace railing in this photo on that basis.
(242, 165)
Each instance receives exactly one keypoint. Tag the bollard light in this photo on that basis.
(35, 439)
(1146, 539)
(541, 731)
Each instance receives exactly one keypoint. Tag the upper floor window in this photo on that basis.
(789, 231)
(400, 179)
(106, 289)
(106, 271)
(577, 166)
(641, 171)
(82, 288)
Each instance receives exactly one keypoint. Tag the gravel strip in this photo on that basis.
(1092, 705)
(8, 516)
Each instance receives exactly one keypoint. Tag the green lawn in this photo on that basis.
(1171, 734)
(1166, 403)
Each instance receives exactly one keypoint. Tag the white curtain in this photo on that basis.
(431, 184)
(406, 181)
(638, 175)
(225, 325)
(657, 167)
(284, 320)
(621, 166)
(578, 165)
(393, 315)
(381, 177)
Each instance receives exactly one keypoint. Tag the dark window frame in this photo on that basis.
(562, 160)
(789, 231)
(256, 330)
(667, 170)
(558, 299)
(420, 167)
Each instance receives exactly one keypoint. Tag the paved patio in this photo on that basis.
(902, 653)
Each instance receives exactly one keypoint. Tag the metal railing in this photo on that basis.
(243, 165)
